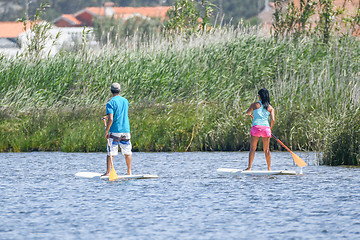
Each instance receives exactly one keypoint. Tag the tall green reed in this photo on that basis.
(190, 93)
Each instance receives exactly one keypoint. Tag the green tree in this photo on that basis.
(38, 37)
(292, 20)
(189, 15)
(328, 19)
(299, 21)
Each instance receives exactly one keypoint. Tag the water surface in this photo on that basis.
(40, 198)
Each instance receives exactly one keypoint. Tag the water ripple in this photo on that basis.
(41, 199)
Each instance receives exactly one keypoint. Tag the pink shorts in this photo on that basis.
(260, 131)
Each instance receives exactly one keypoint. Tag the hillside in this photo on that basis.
(233, 10)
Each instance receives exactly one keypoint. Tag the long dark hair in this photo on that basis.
(265, 98)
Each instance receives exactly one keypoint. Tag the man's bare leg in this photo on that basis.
(108, 165)
(128, 159)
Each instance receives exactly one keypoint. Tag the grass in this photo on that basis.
(188, 94)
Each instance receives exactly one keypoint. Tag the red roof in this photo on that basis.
(70, 18)
(12, 29)
(85, 16)
(120, 12)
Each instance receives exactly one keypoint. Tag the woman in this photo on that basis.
(261, 127)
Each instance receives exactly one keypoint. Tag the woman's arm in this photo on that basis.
(251, 109)
(272, 116)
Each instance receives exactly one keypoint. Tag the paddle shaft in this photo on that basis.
(112, 176)
(108, 144)
(282, 144)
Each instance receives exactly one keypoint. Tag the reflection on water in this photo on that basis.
(40, 198)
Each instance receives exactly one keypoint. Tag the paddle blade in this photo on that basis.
(298, 160)
(113, 176)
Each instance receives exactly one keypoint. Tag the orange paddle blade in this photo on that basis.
(298, 160)
(113, 176)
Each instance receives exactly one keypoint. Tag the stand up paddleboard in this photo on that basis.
(233, 171)
(124, 177)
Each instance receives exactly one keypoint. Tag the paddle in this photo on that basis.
(112, 176)
(296, 158)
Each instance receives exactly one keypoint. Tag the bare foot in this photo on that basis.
(129, 173)
(105, 174)
(247, 169)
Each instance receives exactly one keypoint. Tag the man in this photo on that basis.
(118, 128)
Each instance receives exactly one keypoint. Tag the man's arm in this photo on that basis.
(109, 123)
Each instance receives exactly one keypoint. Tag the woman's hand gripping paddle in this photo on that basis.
(296, 158)
(112, 176)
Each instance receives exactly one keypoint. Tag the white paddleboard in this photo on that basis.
(234, 171)
(98, 175)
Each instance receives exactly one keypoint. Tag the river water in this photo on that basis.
(40, 198)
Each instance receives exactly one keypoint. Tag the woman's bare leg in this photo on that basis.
(253, 144)
(266, 142)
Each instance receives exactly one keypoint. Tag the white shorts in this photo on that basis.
(122, 139)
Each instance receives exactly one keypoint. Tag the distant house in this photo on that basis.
(14, 37)
(67, 20)
(9, 33)
(68, 37)
(86, 16)
(11, 30)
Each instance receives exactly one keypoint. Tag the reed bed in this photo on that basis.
(188, 93)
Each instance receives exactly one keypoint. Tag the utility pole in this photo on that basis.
(27, 9)
(221, 13)
(267, 5)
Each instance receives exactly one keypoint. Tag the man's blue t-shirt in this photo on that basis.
(119, 107)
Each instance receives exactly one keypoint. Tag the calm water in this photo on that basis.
(40, 198)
